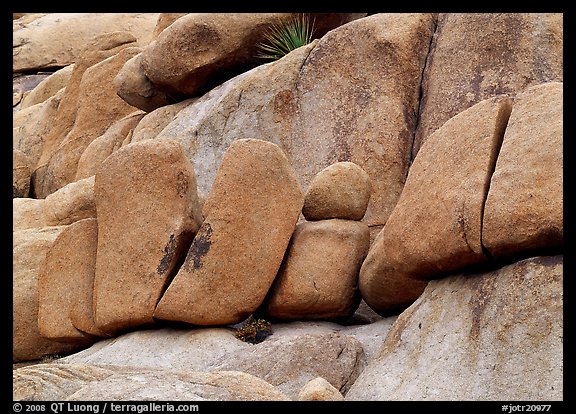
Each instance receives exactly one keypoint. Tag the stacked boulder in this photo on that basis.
(250, 215)
(319, 276)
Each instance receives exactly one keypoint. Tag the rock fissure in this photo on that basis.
(421, 90)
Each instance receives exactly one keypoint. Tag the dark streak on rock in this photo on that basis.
(200, 246)
(169, 252)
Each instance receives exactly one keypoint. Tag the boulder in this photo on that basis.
(48, 87)
(318, 278)
(204, 349)
(201, 50)
(250, 215)
(147, 215)
(58, 39)
(29, 249)
(99, 149)
(475, 56)
(65, 284)
(476, 337)
(98, 49)
(444, 194)
(319, 390)
(524, 208)
(98, 108)
(31, 126)
(21, 171)
(135, 88)
(69, 204)
(340, 191)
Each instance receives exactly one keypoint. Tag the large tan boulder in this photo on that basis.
(29, 248)
(297, 103)
(147, 215)
(98, 49)
(21, 171)
(250, 215)
(98, 108)
(524, 209)
(65, 284)
(100, 148)
(69, 204)
(477, 55)
(493, 335)
(441, 205)
(340, 191)
(319, 276)
(48, 87)
(58, 39)
(201, 50)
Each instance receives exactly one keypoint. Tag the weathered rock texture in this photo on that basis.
(97, 50)
(21, 171)
(319, 276)
(69, 204)
(340, 191)
(478, 55)
(444, 194)
(58, 39)
(93, 383)
(66, 282)
(524, 209)
(484, 336)
(29, 248)
(147, 215)
(250, 215)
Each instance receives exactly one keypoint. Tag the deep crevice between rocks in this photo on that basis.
(431, 47)
(501, 124)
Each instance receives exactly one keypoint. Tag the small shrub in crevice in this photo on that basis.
(254, 330)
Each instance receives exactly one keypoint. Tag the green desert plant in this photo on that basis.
(281, 39)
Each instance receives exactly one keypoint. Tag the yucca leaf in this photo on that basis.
(280, 40)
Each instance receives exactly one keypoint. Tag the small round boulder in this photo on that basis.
(341, 190)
